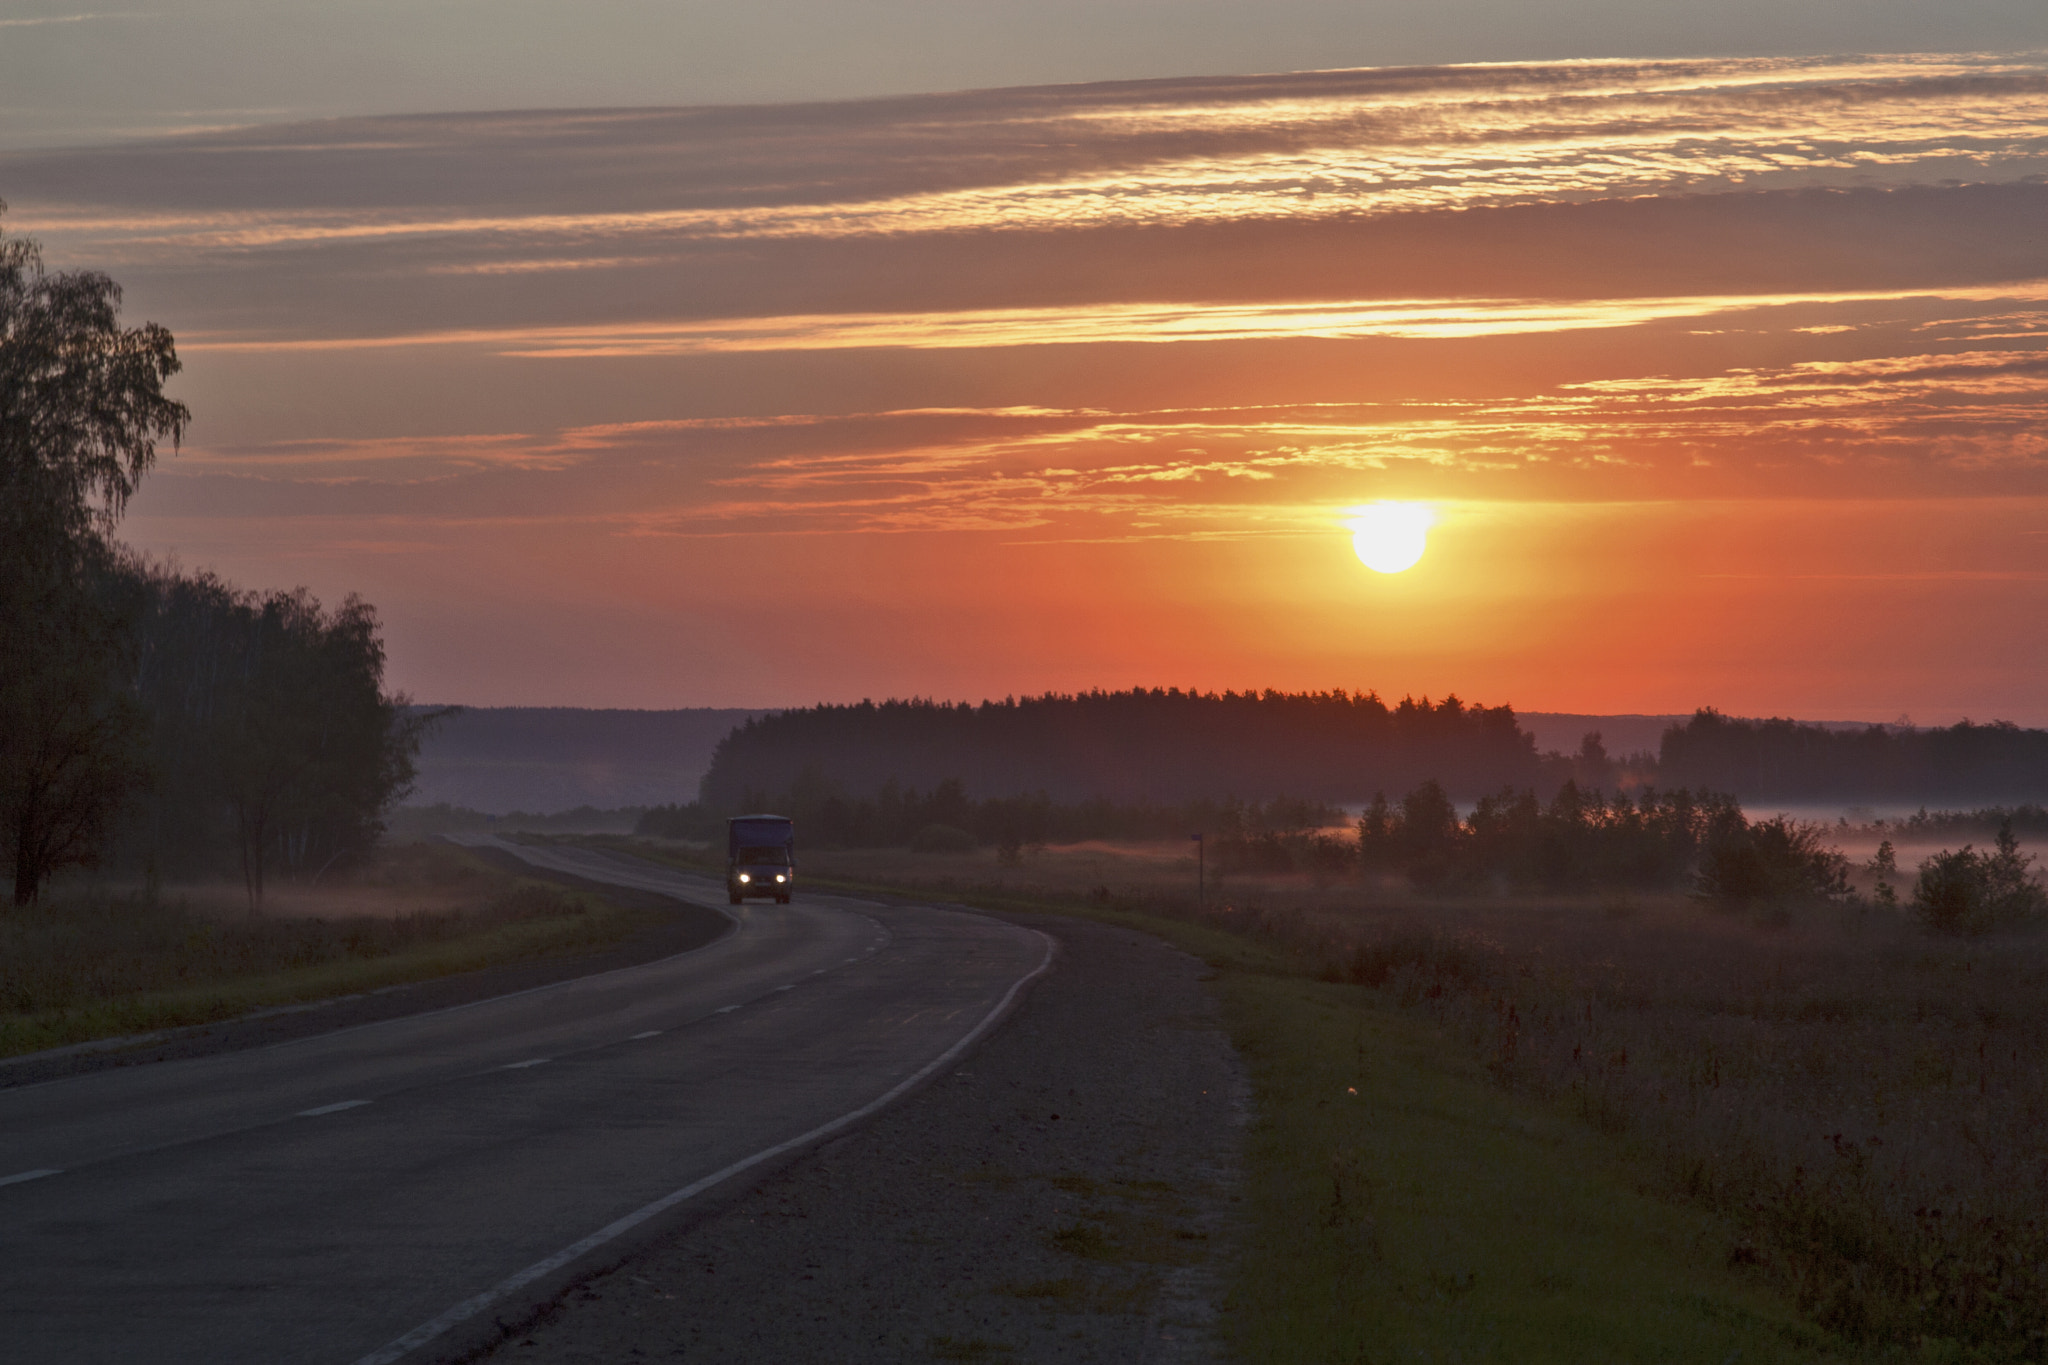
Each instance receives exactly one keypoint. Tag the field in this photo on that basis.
(91, 962)
(1860, 1108)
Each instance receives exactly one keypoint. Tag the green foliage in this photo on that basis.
(81, 412)
(1966, 892)
(1578, 841)
(1770, 864)
(277, 746)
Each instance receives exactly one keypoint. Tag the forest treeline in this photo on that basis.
(1783, 760)
(168, 722)
(1160, 745)
(1168, 747)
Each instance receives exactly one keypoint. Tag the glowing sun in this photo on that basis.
(1391, 536)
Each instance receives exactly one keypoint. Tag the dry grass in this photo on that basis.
(93, 962)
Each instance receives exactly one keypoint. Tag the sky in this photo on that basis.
(1714, 349)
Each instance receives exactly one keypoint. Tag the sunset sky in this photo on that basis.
(1722, 368)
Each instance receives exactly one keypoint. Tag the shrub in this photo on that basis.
(1967, 892)
(1776, 862)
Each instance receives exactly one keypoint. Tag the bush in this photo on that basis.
(1776, 862)
(1967, 892)
(942, 839)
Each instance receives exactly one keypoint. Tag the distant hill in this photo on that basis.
(498, 759)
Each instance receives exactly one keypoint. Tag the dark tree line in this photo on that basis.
(1169, 746)
(899, 816)
(1159, 745)
(272, 740)
(1783, 760)
(172, 721)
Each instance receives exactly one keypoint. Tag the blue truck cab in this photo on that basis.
(760, 857)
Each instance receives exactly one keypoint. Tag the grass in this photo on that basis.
(88, 964)
(1407, 1199)
(1403, 1207)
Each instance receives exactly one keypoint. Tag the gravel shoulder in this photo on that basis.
(1067, 1194)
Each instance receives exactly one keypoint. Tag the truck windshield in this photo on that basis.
(764, 853)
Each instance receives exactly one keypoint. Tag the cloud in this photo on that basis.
(1312, 146)
(48, 19)
(1096, 324)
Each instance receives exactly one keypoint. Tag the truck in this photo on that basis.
(760, 857)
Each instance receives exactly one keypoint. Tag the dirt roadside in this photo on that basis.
(1067, 1194)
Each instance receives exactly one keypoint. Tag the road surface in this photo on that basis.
(368, 1194)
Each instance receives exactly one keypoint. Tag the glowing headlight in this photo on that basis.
(780, 878)
(745, 878)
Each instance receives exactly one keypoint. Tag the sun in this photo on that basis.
(1391, 536)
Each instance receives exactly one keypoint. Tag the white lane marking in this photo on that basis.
(20, 1176)
(790, 987)
(470, 1307)
(330, 1109)
(726, 1010)
(651, 1033)
(530, 1061)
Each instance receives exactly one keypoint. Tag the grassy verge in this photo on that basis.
(1402, 1205)
(1405, 1208)
(87, 966)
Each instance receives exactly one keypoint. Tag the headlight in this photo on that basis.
(780, 878)
(745, 878)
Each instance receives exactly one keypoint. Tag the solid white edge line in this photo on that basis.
(470, 1307)
(330, 1109)
(20, 1176)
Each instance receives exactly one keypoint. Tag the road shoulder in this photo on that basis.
(1068, 1193)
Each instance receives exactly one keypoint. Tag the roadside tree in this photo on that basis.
(82, 410)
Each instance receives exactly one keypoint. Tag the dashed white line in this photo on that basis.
(521, 1066)
(21, 1176)
(726, 1010)
(335, 1108)
(476, 1304)
(651, 1033)
(790, 987)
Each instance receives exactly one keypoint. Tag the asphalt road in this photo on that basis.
(353, 1196)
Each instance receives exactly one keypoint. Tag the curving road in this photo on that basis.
(373, 1194)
